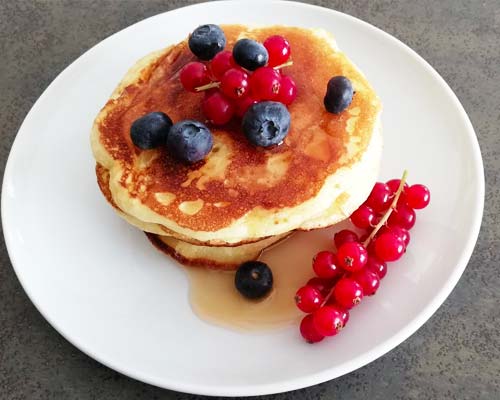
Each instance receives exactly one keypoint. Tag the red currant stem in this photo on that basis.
(287, 64)
(207, 86)
(330, 293)
(386, 216)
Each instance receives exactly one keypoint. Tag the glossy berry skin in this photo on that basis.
(189, 141)
(265, 83)
(344, 313)
(374, 265)
(250, 54)
(217, 108)
(234, 83)
(418, 196)
(193, 75)
(343, 236)
(380, 197)
(328, 320)
(254, 279)
(309, 331)
(288, 90)
(368, 280)
(389, 247)
(398, 231)
(352, 256)
(403, 216)
(393, 185)
(321, 284)
(339, 93)
(206, 41)
(243, 104)
(221, 63)
(150, 130)
(266, 123)
(363, 217)
(347, 293)
(279, 50)
(308, 299)
(325, 265)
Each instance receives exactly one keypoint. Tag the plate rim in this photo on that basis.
(313, 378)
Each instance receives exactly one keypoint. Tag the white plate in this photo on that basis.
(102, 286)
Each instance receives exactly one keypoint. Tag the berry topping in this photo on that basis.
(151, 130)
(266, 123)
(339, 94)
(217, 108)
(321, 284)
(206, 41)
(308, 299)
(328, 320)
(344, 236)
(418, 196)
(374, 265)
(254, 279)
(221, 63)
(278, 48)
(363, 217)
(265, 83)
(368, 280)
(380, 197)
(308, 330)
(398, 231)
(352, 256)
(389, 247)
(242, 105)
(189, 141)
(234, 83)
(193, 75)
(325, 265)
(348, 293)
(250, 54)
(403, 216)
(288, 90)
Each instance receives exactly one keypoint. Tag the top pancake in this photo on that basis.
(240, 191)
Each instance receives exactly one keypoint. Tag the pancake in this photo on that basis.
(242, 193)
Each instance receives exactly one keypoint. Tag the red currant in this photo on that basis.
(418, 196)
(363, 217)
(325, 265)
(193, 75)
(348, 293)
(368, 280)
(288, 91)
(278, 49)
(308, 299)
(380, 197)
(343, 236)
(398, 231)
(328, 320)
(403, 216)
(389, 247)
(309, 331)
(374, 265)
(344, 313)
(393, 185)
(242, 105)
(217, 108)
(265, 83)
(352, 256)
(322, 285)
(234, 83)
(221, 63)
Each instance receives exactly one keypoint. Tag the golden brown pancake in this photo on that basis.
(241, 192)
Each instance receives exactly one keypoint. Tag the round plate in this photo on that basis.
(99, 282)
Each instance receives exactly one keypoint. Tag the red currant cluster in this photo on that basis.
(230, 89)
(343, 279)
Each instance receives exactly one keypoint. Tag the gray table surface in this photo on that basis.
(455, 355)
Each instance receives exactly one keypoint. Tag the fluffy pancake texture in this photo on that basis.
(322, 172)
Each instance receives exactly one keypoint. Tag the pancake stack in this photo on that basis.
(241, 199)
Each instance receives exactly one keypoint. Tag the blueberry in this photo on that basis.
(266, 123)
(254, 279)
(206, 41)
(151, 130)
(339, 94)
(189, 141)
(250, 54)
